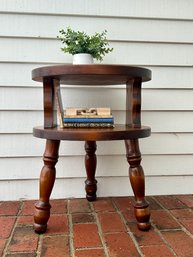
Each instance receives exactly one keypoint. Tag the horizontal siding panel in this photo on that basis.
(160, 121)
(165, 143)
(170, 77)
(152, 99)
(68, 188)
(36, 50)
(167, 99)
(132, 29)
(176, 9)
(162, 77)
(168, 121)
(73, 166)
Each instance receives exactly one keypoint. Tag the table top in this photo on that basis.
(92, 74)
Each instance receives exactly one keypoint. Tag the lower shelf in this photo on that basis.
(119, 132)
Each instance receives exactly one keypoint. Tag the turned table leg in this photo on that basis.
(137, 180)
(90, 165)
(47, 179)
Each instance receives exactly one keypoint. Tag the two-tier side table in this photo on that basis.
(92, 76)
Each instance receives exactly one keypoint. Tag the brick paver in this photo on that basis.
(105, 228)
(55, 246)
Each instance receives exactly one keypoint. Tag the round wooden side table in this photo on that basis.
(92, 76)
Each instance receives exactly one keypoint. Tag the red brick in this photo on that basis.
(129, 216)
(170, 202)
(145, 238)
(86, 235)
(188, 224)
(58, 224)
(124, 203)
(186, 199)
(79, 205)
(82, 218)
(163, 220)
(58, 206)
(28, 208)
(25, 220)
(9, 208)
(55, 246)
(156, 250)
(180, 242)
(24, 239)
(6, 225)
(2, 244)
(120, 244)
(111, 222)
(182, 214)
(103, 204)
(153, 204)
(90, 253)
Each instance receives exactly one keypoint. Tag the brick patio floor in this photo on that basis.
(103, 228)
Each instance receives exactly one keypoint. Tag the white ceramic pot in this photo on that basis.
(82, 59)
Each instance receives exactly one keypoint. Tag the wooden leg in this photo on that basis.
(137, 180)
(47, 179)
(90, 165)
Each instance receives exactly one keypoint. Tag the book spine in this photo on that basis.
(88, 120)
(88, 116)
(88, 125)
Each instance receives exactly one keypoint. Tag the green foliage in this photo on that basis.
(79, 42)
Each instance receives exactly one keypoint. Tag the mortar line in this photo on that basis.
(13, 229)
(105, 249)
(128, 230)
(70, 224)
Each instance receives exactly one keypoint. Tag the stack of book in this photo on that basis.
(88, 118)
(81, 117)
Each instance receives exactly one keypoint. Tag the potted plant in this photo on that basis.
(79, 44)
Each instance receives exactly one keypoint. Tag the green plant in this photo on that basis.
(79, 42)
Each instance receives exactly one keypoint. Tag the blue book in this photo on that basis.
(88, 120)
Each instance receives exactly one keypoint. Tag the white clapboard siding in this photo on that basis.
(35, 26)
(162, 77)
(73, 166)
(165, 143)
(133, 52)
(67, 188)
(152, 99)
(173, 9)
(159, 121)
(153, 34)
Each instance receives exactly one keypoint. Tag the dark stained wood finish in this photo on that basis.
(131, 131)
(95, 74)
(120, 132)
(90, 165)
(50, 119)
(47, 179)
(137, 180)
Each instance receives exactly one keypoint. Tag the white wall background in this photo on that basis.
(154, 34)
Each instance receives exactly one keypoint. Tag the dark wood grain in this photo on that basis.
(137, 180)
(131, 131)
(47, 179)
(95, 74)
(120, 132)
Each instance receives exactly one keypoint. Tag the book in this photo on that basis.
(88, 120)
(59, 105)
(88, 125)
(101, 111)
(88, 116)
